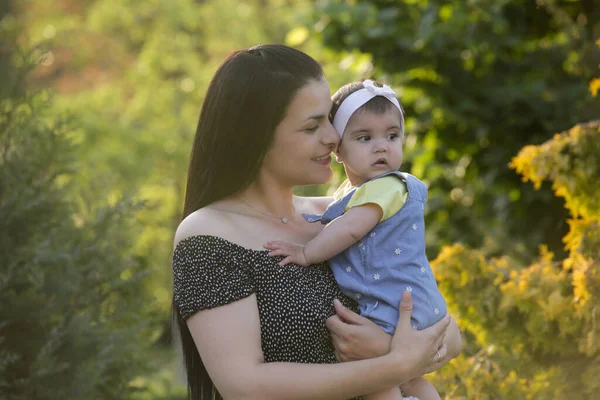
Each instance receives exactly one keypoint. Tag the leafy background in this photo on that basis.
(97, 111)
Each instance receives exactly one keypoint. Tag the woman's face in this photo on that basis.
(304, 140)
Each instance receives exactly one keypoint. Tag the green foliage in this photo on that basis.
(479, 80)
(575, 150)
(71, 298)
(534, 326)
(135, 73)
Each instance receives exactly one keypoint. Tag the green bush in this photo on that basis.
(479, 80)
(532, 331)
(71, 320)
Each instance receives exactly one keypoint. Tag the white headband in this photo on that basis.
(357, 99)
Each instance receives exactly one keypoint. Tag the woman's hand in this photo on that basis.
(453, 340)
(355, 337)
(422, 351)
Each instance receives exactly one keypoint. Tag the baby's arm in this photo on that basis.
(337, 236)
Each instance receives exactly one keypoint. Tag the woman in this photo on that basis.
(251, 329)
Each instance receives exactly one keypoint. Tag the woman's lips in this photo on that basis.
(323, 160)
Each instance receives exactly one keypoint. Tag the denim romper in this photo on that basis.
(389, 260)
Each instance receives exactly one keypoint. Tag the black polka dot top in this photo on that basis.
(293, 301)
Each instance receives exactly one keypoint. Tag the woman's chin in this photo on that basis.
(326, 177)
(317, 178)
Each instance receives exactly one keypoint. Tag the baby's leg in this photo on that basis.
(387, 394)
(421, 388)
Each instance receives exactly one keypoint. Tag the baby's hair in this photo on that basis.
(377, 105)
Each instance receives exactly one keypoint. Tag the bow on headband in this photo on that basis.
(384, 91)
(357, 99)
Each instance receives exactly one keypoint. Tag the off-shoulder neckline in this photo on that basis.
(238, 246)
(218, 238)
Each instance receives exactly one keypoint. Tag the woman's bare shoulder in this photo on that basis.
(205, 221)
(313, 205)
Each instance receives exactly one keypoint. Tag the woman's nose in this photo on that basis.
(330, 137)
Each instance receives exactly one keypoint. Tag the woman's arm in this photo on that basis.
(337, 236)
(228, 340)
(358, 338)
(315, 204)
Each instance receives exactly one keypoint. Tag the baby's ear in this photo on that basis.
(338, 156)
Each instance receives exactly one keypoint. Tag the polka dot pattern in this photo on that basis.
(293, 301)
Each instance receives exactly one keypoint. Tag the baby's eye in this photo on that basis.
(364, 138)
(393, 136)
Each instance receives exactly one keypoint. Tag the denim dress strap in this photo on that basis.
(338, 207)
(334, 210)
(312, 217)
(416, 189)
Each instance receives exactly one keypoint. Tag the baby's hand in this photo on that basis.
(293, 252)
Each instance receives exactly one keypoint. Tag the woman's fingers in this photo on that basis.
(440, 329)
(406, 308)
(439, 340)
(337, 355)
(338, 347)
(441, 354)
(335, 325)
(346, 315)
(437, 331)
(426, 345)
(436, 362)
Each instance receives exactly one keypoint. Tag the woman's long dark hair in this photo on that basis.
(245, 101)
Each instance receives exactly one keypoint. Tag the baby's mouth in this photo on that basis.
(382, 162)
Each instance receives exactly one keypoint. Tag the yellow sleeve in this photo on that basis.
(388, 192)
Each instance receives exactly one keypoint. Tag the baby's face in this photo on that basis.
(371, 145)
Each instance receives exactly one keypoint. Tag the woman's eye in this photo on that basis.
(312, 129)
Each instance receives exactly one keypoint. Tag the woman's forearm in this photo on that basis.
(229, 342)
(323, 381)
